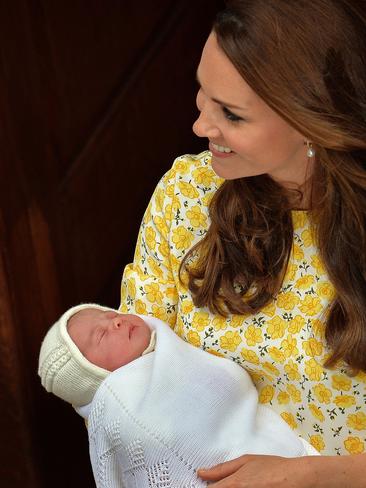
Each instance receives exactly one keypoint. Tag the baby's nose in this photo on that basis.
(117, 322)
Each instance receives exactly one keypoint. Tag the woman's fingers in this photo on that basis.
(222, 470)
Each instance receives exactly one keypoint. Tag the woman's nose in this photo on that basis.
(204, 127)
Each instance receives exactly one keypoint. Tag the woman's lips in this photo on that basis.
(219, 154)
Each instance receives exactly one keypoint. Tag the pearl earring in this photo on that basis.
(311, 151)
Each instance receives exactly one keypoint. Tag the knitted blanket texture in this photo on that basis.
(156, 420)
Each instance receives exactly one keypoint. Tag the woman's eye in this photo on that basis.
(230, 116)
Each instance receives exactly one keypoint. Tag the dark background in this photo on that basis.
(97, 97)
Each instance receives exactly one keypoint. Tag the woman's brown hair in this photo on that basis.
(306, 60)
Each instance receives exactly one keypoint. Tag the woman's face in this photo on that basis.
(236, 120)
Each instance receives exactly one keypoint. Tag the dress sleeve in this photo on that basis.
(148, 286)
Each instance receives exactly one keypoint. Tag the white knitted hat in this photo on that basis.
(64, 371)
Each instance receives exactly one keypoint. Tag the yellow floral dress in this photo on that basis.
(282, 347)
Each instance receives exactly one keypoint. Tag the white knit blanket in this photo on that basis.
(155, 421)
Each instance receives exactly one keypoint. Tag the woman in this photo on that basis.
(255, 250)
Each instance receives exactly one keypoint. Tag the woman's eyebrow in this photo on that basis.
(220, 102)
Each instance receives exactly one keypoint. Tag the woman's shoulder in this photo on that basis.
(194, 170)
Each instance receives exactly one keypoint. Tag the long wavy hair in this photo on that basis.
(306, 60)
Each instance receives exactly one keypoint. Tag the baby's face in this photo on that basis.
(108, 339)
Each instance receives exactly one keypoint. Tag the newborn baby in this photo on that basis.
(167, 408)
(107, 338)
(85, 346)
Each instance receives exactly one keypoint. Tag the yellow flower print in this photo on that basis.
(140, 272)
(182, 238)
(313, 369)
(138, 254)
(150, 237)
(354, 445)
(249, 356)
(160, 224)
(318, 264)
(181, 167)
(147, 215)
(296, 324)
(159, 198)
(305, 282)
(297, 252)
(194, 338)
(164, 249)
(344, 401)
(294, 393)
(179, 327)
(175, 264)
(236, 321)
(169, 212)
(155, 269)
(341, 382)
(203, 176)
(276, 354)
(255, 375)
(171, 208)
(318, 328)
(290, 273)
(283, 398)
(307, 238)
(131, 287)
(140, 307)
(253, 335)
(123, 308)
(322, 393)
(310, 305)
(196, 217)
(153, 293)
(219, 323)
(159, 312)
(357, 421)
(230, 341)
(289, 346)
(266, 394)
(188, 190)
(170, 191)
(206, 200)
(361, 376)
(292, 370)
(312, 347)
(215, 353)
(317, 442)
(326, 290)
(186, 306)
(269, 309)
(271, 368)
(289, 419)
(317, 413)
(276, 327)
(299, 219)
(200, 320)
(287, 300)
(171, 293)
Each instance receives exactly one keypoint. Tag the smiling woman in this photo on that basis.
(256, 249)
(241, 138)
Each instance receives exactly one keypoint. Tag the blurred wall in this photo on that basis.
(97, 97)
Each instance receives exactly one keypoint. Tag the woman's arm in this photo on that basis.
(148, 286)
(255, 471)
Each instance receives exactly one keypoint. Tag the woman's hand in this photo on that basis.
(257, 471)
